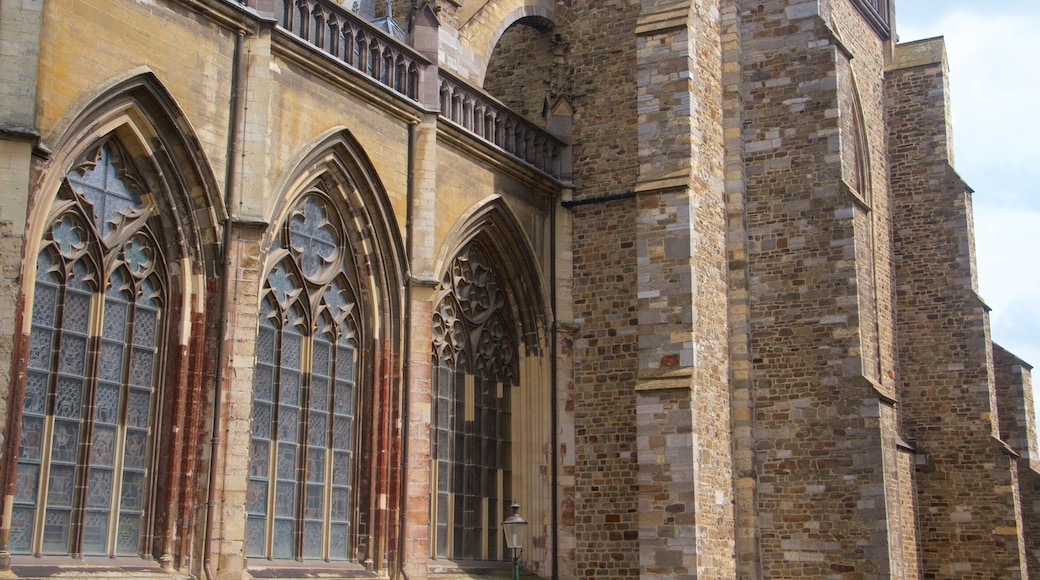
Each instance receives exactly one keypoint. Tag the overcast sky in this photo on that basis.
(995, 87)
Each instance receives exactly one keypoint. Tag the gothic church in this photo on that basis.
(320, 288)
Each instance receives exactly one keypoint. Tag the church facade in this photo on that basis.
(307, 288)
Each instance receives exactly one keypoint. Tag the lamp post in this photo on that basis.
(515, 529)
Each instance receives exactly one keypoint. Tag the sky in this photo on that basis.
(995, 87)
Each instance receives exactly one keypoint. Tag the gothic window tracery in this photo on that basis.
(300, 496)
(475, 366)
(86, 469)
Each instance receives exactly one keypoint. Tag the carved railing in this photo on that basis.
(355, 42)
(365, 48)
(491, 121)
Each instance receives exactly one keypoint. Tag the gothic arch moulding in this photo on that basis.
(337, 163)
(151, 126)
(496, 228)
(326, 385)
(483, 22)
(121, 231)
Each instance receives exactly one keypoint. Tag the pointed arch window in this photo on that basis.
(86, 465)
(301, 492)
(475, 365)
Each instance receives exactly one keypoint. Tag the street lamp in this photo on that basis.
(515, 530)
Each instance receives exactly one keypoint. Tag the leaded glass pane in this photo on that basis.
(26, 483)
(112, 200)
(256, 497)
(290, 391)
(61, 486)
(320, 359)
(35, 401)
(291, 351)
(65, 442)
(340, 504)
(345, 363)
(283, 539)
(23, 520)
(106, 406)
(341, 433)
(128, 534)
(319, 393)
(95, 533)
(136, 451)
(56, 531)
(30, 444)
(282, 282)
(313, 236)
(259, 459)
(110, 368)
(263, 387)
(44, 302)
(40, 349)
(72, 355)
(133, 491)
(102, 451)
(256, 533)
(312, 536)
(137, 408)
(99, 488)
(285, 499)
(338, 537)
(316, 465)
(341, 469)
(344, 399)
(288, 424)
(314, 502)
(145, 327)
(316, 435)
(69, 235)
(286, 462)
(265, 345)
(261, 420)
(76, 313)
(116, 310)
(141, 367)
(138, 254)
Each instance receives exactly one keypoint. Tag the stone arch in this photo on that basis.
(483, 28)
(490, 388)
(340, 302)
(339, 159)
(158, 136)
(129, 149)
(493, 221)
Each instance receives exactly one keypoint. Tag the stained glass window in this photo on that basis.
(475, 366)
(300, 495)
(83, 470)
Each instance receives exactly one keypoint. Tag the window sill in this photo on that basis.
(306, 569)
(25, 566)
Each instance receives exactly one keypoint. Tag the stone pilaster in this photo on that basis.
(682, 403)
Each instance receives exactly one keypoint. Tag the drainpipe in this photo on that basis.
(406, 374)
(222, 303)
(554, 392)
